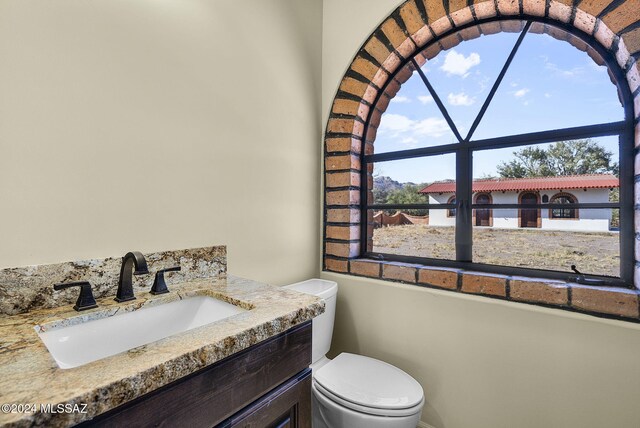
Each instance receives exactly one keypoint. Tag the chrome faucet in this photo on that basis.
(125, 284)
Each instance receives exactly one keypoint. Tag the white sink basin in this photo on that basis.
(93, 340)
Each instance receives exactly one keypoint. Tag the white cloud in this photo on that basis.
(460, 99)
(400, 99)
(569, 73)
(547, 95)
(411, 131)
(395, 124)
(425, 99)
(432, 127)
(514, 84)
(562, 72)
(458, 64)
(521, 93)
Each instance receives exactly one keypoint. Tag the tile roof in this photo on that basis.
(588, 181)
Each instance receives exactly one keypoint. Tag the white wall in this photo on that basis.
(440, 217)
(483, 363)
(161, 124)
(590, 220)
(346, 25)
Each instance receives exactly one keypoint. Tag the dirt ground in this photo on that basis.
(595, 253)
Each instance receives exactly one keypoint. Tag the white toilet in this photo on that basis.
(353, 391)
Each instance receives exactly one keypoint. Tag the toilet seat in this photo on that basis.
(369, 386)
(364, 409)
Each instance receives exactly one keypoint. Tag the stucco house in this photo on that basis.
(594, 188)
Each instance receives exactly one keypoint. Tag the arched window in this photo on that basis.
(508, 106)
(503, 108)
(451, 212)
(563, 213)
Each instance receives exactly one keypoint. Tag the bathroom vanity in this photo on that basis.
(248, 369)
(266, 385)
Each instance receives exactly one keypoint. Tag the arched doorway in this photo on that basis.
(483, 216)
(529, 217)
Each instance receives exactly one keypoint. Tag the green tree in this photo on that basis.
(564, 158)
(408, 194)
(382, 186)
(573, 157)
(614, 196)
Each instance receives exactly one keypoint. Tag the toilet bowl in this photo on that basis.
(354, 391)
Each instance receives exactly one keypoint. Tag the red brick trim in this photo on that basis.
(414, 24)
(609, 302)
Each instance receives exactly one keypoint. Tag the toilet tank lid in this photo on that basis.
(317, 287)
(369, 382)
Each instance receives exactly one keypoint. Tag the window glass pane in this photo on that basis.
(566, 212)
(463, 73)
(555, 81)
(410, 118)
(408, 233)
(593, 163)
(401, 181)
(531, 239)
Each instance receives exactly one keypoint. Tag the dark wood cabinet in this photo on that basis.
(288, 406)
(266, 385)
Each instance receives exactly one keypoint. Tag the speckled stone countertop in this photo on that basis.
(30, 376)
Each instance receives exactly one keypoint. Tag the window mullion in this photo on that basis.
(476, 122)
(627, 234)
(464, 230)
(437, 100)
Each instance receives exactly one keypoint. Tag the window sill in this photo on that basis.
(608, 302)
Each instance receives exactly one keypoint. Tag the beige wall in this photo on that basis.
(483, 363)
(346, 26)
(161, 124)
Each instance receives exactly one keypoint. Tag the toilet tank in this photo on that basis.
(322, 324)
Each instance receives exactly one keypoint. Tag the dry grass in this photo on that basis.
(595, 253)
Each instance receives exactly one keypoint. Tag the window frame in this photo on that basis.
(451, 212)
(465, 147)
(570, 206)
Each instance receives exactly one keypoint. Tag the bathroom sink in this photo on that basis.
(79, 344)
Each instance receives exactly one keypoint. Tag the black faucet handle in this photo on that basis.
(159, 284)
(85, 299)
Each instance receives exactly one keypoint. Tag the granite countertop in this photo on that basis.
(30, 376)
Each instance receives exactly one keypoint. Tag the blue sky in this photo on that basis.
(550, 84)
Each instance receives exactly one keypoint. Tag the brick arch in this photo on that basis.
(398, 78)
(417, 24)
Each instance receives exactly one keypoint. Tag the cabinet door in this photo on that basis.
(287, 406)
